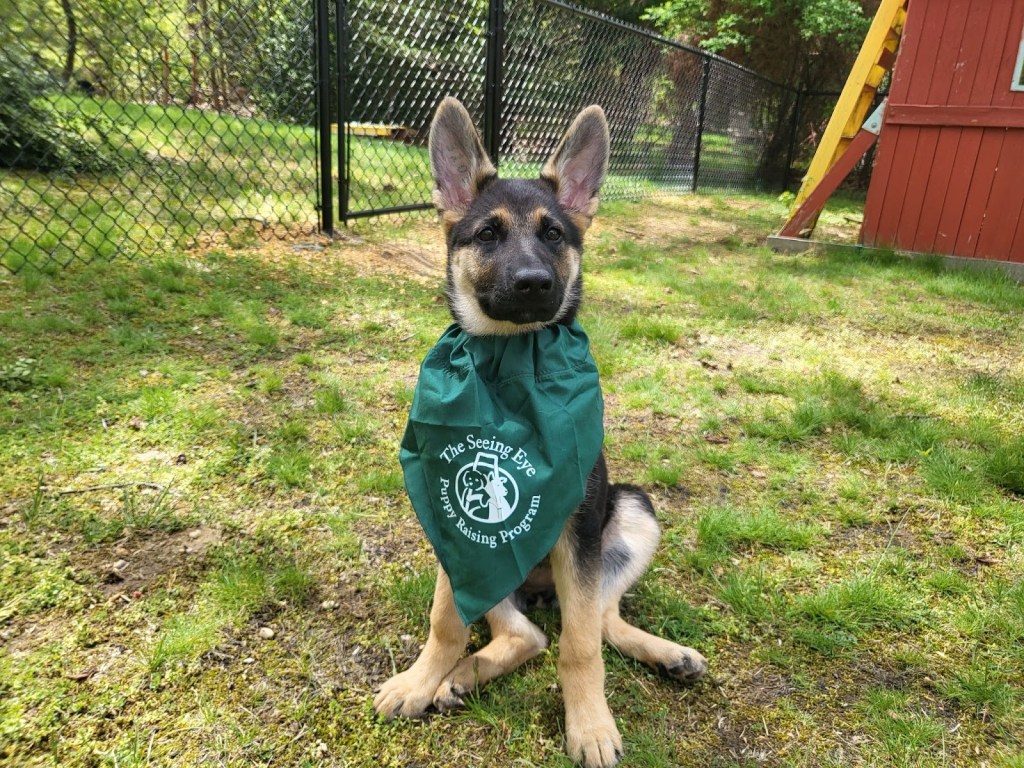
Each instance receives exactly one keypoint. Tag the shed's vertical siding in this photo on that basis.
(973, 82)
(949, 177)
(988, 206)
(944, 34)
(963, 35)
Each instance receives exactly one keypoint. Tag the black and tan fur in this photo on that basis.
(514, 259)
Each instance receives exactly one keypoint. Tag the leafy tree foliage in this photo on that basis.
(803, 43)
(628, 10)
(283, 62)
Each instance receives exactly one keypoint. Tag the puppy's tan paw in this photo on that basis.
(685, 665)
(595, 743)
(404, 695)
(450, 695)
(460, 682)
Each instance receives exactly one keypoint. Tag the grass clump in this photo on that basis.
(184, 639)
(838, 615)
(1004, 467)
(411, 592)
(289, 467)
(722, 531)
(749, 593)
(831, 402)
(330, 398)
(985, 691)
(952, 474)
(907, 735)
(726, 528)
(650, 329)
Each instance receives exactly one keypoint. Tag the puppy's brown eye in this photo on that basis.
(486, 235)
(553, 234)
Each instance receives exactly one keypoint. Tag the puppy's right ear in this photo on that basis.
(458, 160)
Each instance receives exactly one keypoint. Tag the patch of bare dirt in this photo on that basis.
(413, 262)
(397, 538)
(130, 566)
(415, 252)
(674, 219)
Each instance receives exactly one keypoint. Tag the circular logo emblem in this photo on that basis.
(486, 492)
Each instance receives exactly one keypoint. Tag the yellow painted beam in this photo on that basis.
(857, 95)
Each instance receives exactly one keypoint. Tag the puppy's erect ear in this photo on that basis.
(579, 164)
(458, 160)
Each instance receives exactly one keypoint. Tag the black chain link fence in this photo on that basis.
(680, 119)
(135, 126)
(559, 60)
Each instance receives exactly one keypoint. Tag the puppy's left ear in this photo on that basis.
(579, 164)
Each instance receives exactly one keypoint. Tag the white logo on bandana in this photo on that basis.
(486, 492)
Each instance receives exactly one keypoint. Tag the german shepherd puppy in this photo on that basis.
(514, 257)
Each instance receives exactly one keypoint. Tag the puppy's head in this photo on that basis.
(514, 245)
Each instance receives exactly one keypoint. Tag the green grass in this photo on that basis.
(856, 606)
(748, 593)
(832, 445)
(983, 691)
(722, 531)
(907, 735)
(1005, 466)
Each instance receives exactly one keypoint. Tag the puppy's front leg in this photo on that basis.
(410, 693)
(591, 734)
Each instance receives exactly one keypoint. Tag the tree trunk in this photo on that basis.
(165, 77)
(69, 59)
(193, 99)
(211, 48)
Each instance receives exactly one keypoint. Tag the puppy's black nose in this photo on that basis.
(532, 282)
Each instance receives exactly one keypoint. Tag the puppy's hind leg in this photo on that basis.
(411, 692)
(514, 640)
(628, 544)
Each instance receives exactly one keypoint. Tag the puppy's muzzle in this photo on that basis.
(528, 295)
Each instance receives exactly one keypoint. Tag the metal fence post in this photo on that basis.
(705, 81)
(342, 39)
(323, 102)
(793, 128)
(492, 86)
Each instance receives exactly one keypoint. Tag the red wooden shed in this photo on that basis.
(949, 172)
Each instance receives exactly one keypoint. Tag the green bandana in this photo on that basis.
(503, 433)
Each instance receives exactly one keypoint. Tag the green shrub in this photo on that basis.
(34, 134)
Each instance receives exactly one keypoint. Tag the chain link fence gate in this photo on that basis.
(134, 127)
(680, 119)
